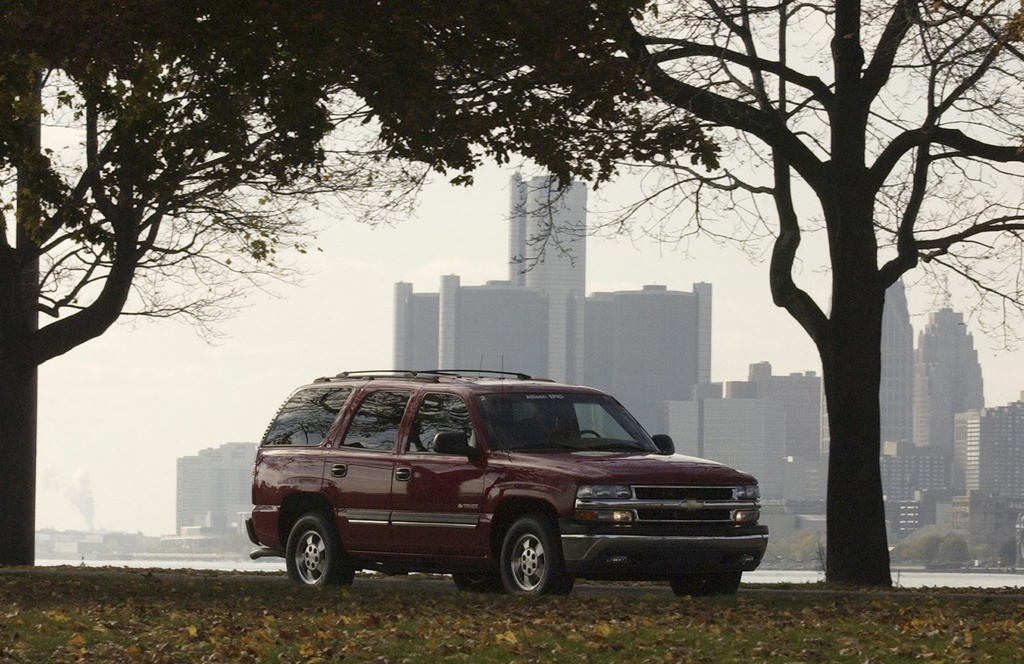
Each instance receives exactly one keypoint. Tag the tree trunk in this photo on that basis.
(17, 460)
(19, 320)
(857, 550)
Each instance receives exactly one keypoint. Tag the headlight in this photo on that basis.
(604, 492)
(747, 492)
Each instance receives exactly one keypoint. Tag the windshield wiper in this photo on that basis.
(545, 447)
(618, 445)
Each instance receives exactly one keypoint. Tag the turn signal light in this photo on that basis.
(746, 515)
(604, 516)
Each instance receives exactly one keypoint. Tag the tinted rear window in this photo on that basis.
(307, 416)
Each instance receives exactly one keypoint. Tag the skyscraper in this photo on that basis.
(648, 347)
(547, 243)
(645, 346)
(215, 485)
(494, 326)
(532, 323)
(801, 397)
(993, 441)
(947, 379)
(896, 391)
(741, 431)
(415, 341)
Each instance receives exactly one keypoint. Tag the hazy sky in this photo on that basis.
(117, 412)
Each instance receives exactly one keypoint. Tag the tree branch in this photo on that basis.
(877, 72)
(932, 247)
(785, 292)
(686, 49)
(724, 111)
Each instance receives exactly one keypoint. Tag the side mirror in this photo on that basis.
(454, 443)
(664, 443)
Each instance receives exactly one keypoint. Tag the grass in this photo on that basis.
(114, 615)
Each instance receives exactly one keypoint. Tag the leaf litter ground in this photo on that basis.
(118, 615)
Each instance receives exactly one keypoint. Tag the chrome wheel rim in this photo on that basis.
(528, 562)
(311, 558)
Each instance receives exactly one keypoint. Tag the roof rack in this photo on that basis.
(369, 374)
(426, 374)
(456, 373)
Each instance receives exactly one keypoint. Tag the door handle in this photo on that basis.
(403, 474)
(339, 470)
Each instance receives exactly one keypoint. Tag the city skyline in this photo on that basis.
(141, 396)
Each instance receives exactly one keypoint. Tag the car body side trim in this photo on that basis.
(368, 516)
(438, 519)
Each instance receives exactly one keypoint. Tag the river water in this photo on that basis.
(900, 578)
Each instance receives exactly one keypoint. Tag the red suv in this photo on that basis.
(503, 481)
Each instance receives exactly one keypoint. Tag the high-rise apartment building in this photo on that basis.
(907, 471)
(896, 390)
(992, 440)
(215, 486)
(966, 450)
(947, 379)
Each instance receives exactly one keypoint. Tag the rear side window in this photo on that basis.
(374, 427)
(306, 417)
(439, 413)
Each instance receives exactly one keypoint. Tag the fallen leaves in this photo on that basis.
(121, 616)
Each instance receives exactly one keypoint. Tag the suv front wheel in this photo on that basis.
(531, 558)
(314, 555)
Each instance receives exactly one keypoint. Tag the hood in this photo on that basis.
(631, 468)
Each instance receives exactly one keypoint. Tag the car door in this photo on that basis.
(437, 499)
(359, 470)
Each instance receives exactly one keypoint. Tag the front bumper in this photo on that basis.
(608, 554)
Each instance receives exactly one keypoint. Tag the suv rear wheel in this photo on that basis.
(531, 558)
(314, 555)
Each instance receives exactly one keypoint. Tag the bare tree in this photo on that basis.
(896, 126)
(892, 127)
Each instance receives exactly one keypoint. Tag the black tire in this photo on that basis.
(531, 558)
(487, 581)
(314, 555)
(703, 585)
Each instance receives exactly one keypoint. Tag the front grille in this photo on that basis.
(675, 515)
(709, 493)
(671, 506)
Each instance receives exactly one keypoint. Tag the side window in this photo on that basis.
(307, 416)
(437, 413)
(374, 427)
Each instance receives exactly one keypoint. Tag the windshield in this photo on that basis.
(546, 421)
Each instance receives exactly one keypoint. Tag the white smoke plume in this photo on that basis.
(76, 488)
